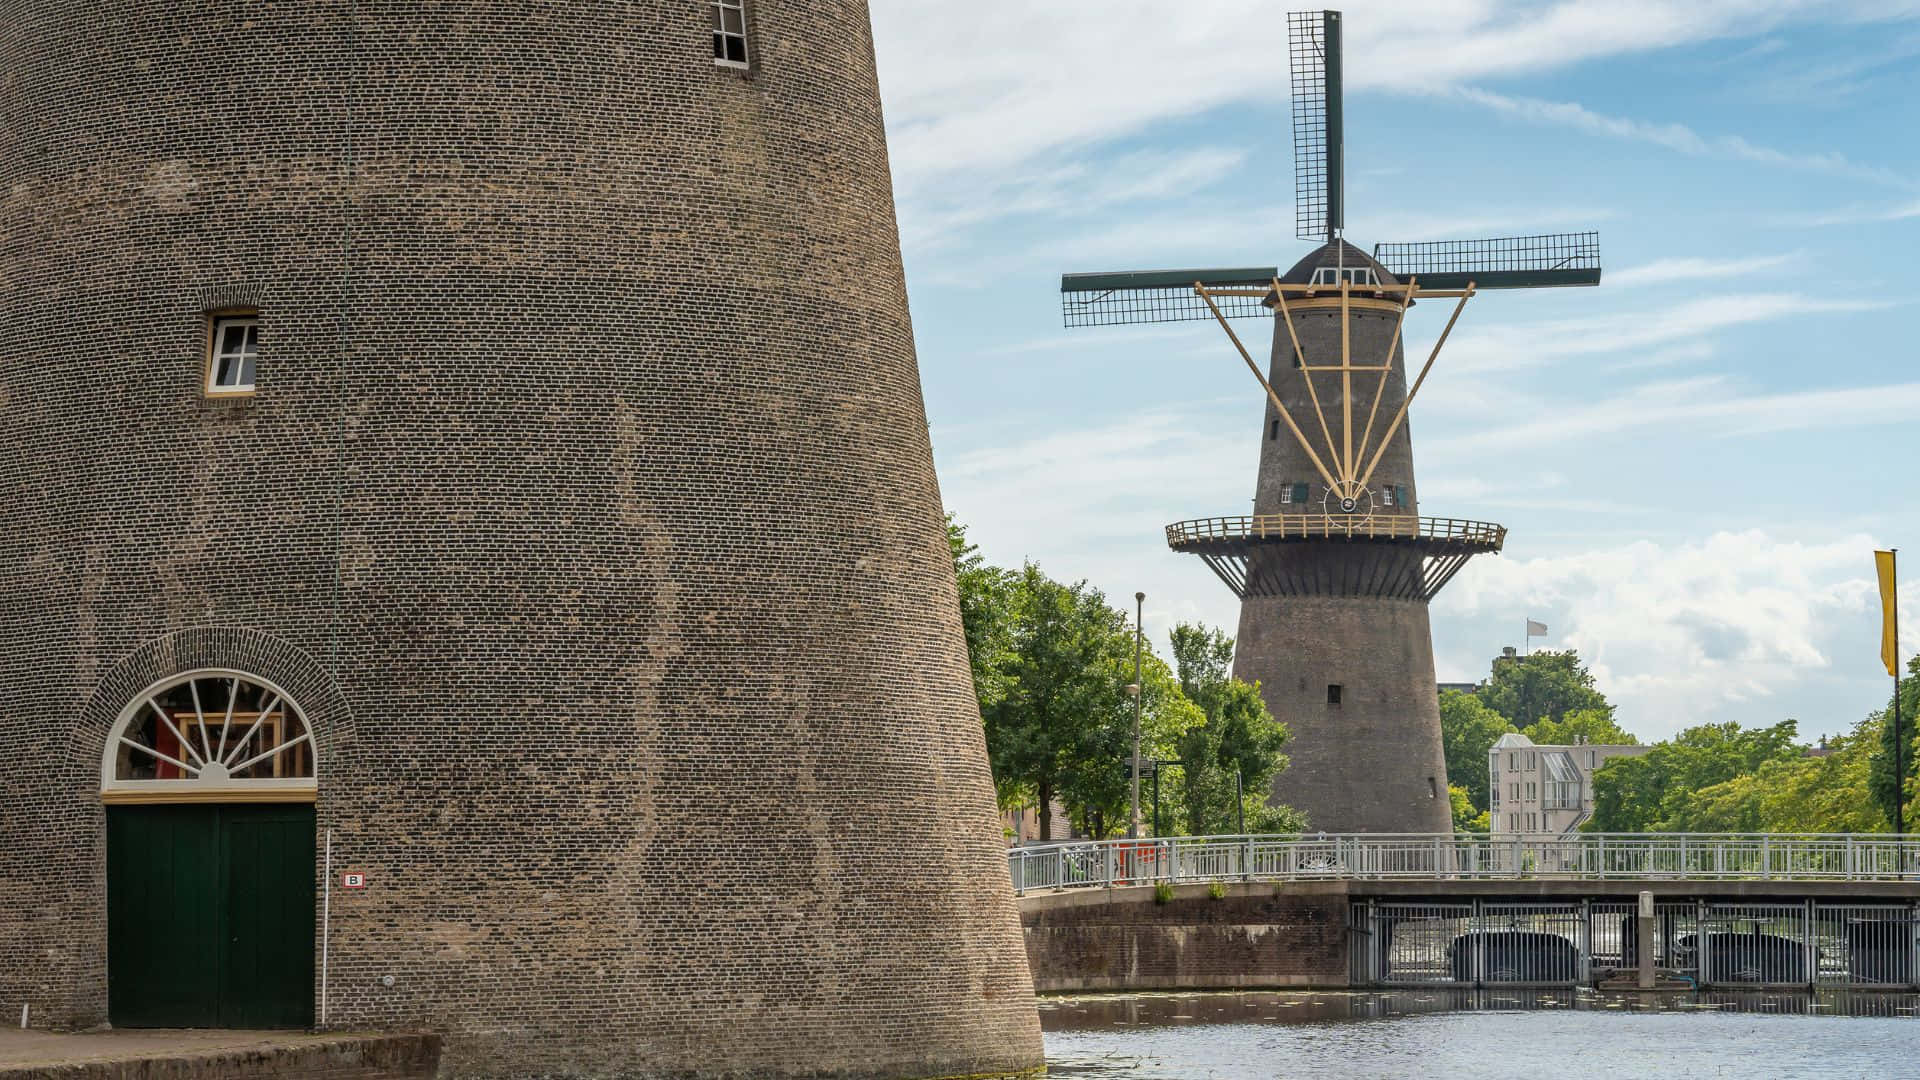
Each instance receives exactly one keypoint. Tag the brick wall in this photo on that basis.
(1258, 935)
(587, 494)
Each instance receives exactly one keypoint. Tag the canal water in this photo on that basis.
(1490, 1034)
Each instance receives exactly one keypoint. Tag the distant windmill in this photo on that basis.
(1335, 567)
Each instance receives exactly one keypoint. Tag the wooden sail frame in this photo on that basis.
(1352, 466)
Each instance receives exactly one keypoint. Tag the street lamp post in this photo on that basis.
(1139, 637)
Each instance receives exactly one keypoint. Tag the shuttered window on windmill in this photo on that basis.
(730, 33)
(1300, 493)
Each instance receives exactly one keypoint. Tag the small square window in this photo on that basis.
(730, 33)
(1333, 693)
(233, 350)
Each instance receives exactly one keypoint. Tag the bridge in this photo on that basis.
(1807, 910)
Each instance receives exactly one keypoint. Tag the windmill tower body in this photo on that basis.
(579, 499)
(1342, 612)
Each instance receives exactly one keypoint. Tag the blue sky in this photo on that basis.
(1695, 460)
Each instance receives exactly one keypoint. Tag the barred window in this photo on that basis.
(730, 33)
(233, 349)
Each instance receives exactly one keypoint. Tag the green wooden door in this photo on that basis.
(163, 896)
(210, 916)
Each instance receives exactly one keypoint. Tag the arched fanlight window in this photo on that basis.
(209, 735)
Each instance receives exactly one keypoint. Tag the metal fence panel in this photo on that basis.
(1754, 943)
(1413, 944)
(1444, 856)
(1868, 945)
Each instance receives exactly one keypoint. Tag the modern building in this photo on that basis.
(470, 547)
(1539, 791)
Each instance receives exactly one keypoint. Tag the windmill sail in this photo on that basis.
(1159, 296)
(1509, 262)
(1319, 144)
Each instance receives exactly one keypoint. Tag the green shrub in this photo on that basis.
(1163, 892)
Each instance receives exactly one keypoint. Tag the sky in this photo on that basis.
(1695, 460)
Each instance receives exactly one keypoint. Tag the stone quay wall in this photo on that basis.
(1257, 936)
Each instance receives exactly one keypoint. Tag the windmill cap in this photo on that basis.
(1334, 253)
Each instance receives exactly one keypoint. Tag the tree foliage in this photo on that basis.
(1466, 816)
(1656, 791)
(1587, 725)
(987, 595)
(1468, 730)
(1880, 782)
(1051, 663)
(1542, 686)
(1238, 737)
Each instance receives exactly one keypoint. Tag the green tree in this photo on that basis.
(1466, 816)
(1097, 784)
(1060, 722)
(1542, 686)
(1881, 778)
(1655, 791)
(988, 598)
(1797, 794)
(1468, 730)
(1589, 725)
(1238, 736)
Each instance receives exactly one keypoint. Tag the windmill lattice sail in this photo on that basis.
(1552, 260)
(1319, 150)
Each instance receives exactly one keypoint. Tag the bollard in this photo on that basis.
(1645, 950)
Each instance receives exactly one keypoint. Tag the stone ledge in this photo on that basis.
(206, 1055)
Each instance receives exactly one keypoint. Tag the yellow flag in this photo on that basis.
(1889, 635)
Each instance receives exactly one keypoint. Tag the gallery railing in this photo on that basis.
(1586, 856)
(1335, 527)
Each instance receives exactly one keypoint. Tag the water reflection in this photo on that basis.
(1567, 1034)
(1091, 1012)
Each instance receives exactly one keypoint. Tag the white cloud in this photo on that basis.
(1512, 346)
(1853, 215)
(991, 100)
(1728, 625)
(994, 82)
(1662, 271)
(1705, 406)
(1677, 137)
(1677, 633)
(1069, 189)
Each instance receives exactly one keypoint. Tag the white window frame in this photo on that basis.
(218, 325)
(721, 35)
(1357, 275)
(208, 784)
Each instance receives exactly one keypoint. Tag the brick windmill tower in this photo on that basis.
(491, 465)
(1335, 567)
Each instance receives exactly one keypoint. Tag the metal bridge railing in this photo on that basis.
(1451, 856)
